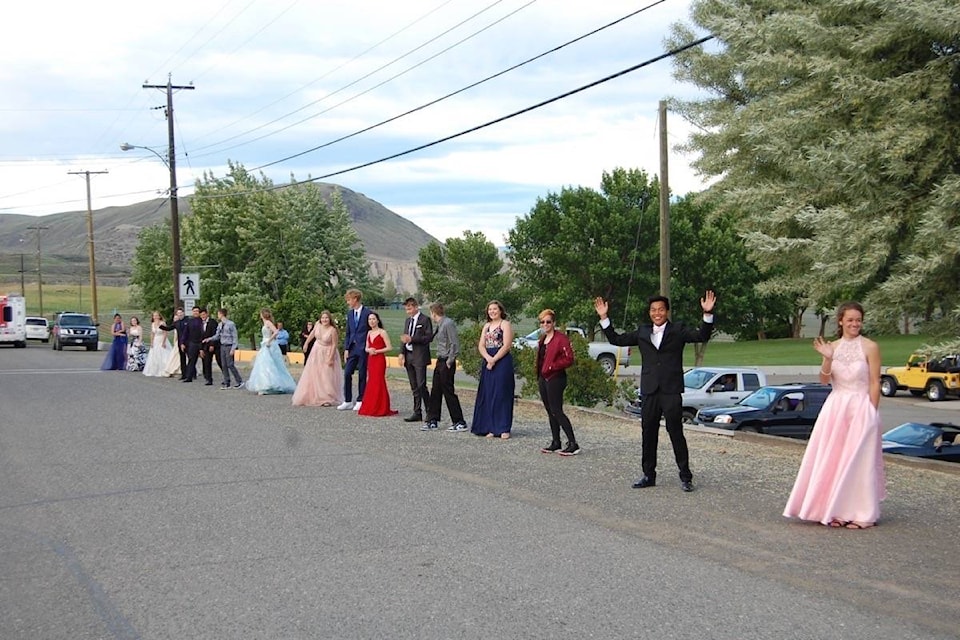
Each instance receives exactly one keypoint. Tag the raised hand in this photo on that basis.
(601, 306)
(708, 301)
(823, 347)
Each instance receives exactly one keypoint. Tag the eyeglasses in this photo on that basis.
(546, 322)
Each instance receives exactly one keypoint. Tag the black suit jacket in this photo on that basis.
(420, 338)
(181, 327)
(661, 369)
(209, 332)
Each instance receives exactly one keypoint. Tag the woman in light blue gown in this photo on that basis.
(269, 374)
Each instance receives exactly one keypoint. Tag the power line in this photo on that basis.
(316, 80)
(459, 91)
(347, 86)
(490, 123)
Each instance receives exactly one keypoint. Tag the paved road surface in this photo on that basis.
(145, 508)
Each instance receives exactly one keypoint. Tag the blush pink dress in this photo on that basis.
(321, 382)
(841, 476)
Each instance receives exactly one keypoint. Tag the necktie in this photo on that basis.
(410, 333)
(356, 317)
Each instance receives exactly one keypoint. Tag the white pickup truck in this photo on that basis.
(603, 352)
(712, 387)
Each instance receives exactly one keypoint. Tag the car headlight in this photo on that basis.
(723, 418)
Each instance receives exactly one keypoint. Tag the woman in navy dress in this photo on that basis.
(493, 411)
(116, 359)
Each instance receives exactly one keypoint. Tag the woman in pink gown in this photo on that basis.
(321, 383)
(376, 397)
(841, 480)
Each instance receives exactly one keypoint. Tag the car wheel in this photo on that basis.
(750, 428)
(46, 340)
(935, 390)
(608, 363)
(888, 386)
(91, 347)
(688, 416)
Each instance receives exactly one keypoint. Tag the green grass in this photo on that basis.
(72, 297)
(894, 350)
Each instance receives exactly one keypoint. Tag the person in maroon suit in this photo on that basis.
(661, 346)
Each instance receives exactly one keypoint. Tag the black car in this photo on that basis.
(780, 410)
(936, 441)
(72, 329)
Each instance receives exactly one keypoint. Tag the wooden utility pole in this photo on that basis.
(38, 228)
(664, 205)
(93, 261)
(174, 207)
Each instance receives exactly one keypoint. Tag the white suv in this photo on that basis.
(38, 329)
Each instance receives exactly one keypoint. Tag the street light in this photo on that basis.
(170, 163)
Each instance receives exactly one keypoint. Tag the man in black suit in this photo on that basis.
(180, 325)
(209, 347)
(415, 355)
(661, 346)
(192, 338)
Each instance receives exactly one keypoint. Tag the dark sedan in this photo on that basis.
(781, 410)
(935, 441)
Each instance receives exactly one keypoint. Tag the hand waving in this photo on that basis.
(708, 301)
(823, 347)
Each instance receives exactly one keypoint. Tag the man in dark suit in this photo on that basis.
(415, 355)
(208, 346)
(661, 346)
(193, 339)
(355, 349)
(180, 325)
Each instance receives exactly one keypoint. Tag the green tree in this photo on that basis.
(465, 274)
(152, 270)
(580, 243)
(287, 248)
(833, 127)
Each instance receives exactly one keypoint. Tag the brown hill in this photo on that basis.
(392, 242)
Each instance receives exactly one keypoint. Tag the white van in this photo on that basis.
(13, 320)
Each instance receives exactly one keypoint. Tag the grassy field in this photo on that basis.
(894, 349)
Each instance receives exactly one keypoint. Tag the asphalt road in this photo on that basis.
(133, 507)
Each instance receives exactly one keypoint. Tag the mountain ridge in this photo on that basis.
(392, 242)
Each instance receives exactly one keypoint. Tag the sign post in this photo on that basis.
(189, 289)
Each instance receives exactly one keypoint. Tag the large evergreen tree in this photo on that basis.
(833, 127)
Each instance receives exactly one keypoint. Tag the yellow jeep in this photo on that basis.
(935, 378)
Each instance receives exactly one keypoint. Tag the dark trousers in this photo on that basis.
(183, 360)
(443, 390)
(417, 375)
(356, 363)
(193, 352)
(206, 362)
(670, 406)
(551, 394)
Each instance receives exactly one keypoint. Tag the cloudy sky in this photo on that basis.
(277, 78)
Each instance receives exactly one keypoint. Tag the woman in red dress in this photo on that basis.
(376, 398)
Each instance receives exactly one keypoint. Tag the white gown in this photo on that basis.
(159, 354)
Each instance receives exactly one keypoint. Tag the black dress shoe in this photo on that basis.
(208, 383)
(186, 380)
(414, 418)
(644, 482)
(686, 485)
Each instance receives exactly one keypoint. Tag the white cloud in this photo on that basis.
(73, 94)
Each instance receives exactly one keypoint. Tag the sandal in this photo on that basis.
(504, 436)
(836, 524)
(857, 525)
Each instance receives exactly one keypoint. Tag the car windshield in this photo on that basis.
(37, 321)
(759, 399)
(75, 321)
(913, 434)
(696, 378)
